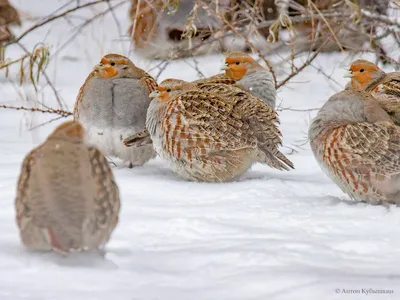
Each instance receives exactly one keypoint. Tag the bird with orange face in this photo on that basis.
(357, 145)
(385, 87)
(211, 132)
(67, 199)
(250, 76)
(112, 104)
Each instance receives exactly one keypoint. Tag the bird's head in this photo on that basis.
(117, 66)
(168, 89)
(363, 73)
(238, 64)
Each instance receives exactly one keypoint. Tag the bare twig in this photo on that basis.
(297, 109)
(62, 113)
(51, 19)
(60, 102)
(327, 24)
(46, 123)
(196, 67)
(161, 69)
(301, 68)
(86, 23)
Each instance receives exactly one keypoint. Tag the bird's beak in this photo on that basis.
(154, 94)
(99, 67)
(224, 67)
(348, 74)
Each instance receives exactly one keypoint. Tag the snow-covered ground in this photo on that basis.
(272, 235)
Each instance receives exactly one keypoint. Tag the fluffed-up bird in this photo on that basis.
(67, 199)
(358, 146)
(112, 104)
(214, 133)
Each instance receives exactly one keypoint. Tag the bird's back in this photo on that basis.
(61, 195)
(260, 84)
(391, 86)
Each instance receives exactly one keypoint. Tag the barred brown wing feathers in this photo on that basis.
(107, 202)
(79, 98)
(367, 140)
(259, 121)
(21, 200)
(360, 154)
(198, 123)
(391, 85)
(216, 79)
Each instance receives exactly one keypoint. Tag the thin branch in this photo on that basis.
(51, 19)
(62, 113)
(79, 30)
(327, 24)
(297, 109)
(3, 64)
(46, 123)
(161, 69)
(115, 18)
(304, 65)
(60, 101)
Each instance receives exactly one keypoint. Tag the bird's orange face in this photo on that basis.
(236, 67)
(109, 66)
(162, 93)
(168, 89)
(362, 74)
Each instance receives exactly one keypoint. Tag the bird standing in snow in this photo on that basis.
(251, 76)
(67, 199)
(385, 87)
(212, 134)
(358, 146)
(112, 104)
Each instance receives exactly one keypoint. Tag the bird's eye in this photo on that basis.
(113, 63)
(362, 70)
(124, 68)
(168, 90)
(238, 62)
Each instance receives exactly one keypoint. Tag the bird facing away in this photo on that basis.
(251, 76)
(112, 104)
(385, 87)
(358, 146)
(67, 199)
(212, 138)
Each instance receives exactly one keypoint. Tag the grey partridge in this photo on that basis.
(212, 132)
(67, 198)
(112, 104)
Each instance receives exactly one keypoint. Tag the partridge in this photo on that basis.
(112, 104)
(67, 199)
(385, 87)
(214, 133)
(250, 76)
(357, 145)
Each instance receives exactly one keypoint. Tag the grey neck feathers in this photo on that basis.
(343, 107)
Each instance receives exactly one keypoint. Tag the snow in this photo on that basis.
(270, 236)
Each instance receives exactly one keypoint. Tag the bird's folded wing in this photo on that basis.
(21, 200)
(206, 121)
(366, 148)
(107, 201)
